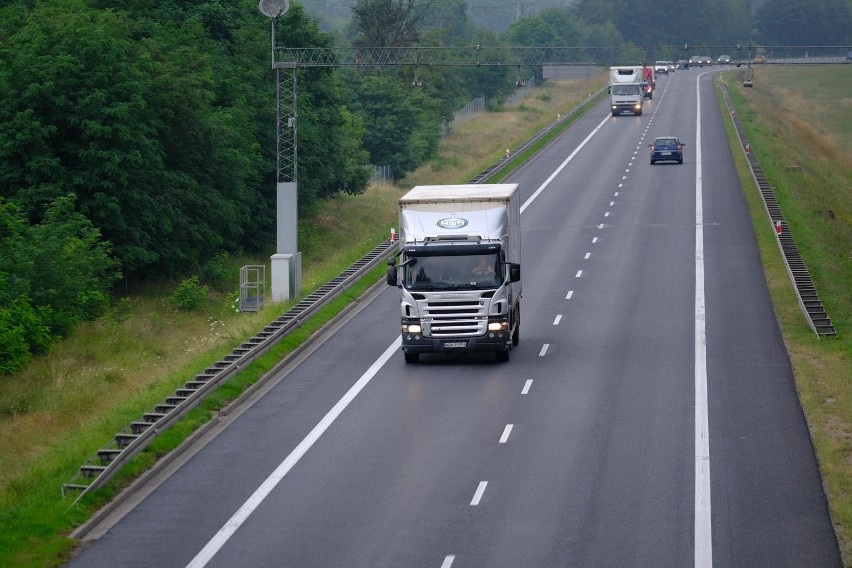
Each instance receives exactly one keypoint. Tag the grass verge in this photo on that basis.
(802, 141)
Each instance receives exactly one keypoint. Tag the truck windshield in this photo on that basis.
(465, 272)
(625, 89)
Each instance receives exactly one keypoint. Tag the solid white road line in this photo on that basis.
(236, 521)
(703, 534)
(477, 497)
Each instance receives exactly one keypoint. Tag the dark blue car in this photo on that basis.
(667, 149)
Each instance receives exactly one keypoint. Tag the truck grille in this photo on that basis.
(454, 318)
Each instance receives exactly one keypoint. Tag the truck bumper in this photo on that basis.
(492, 341)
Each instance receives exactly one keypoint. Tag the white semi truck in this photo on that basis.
(459, 269)
(626, 89)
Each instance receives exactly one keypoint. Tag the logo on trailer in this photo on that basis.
(452, 223)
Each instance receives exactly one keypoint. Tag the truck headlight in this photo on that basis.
(411, 328)
(498, 325)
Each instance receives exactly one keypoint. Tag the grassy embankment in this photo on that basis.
(799, 124)
(69, 403)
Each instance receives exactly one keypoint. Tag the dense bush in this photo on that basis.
(189, 295)
(53, 274)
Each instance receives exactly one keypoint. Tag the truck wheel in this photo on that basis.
(501, 356)
(411, 357)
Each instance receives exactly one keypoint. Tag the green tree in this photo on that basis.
(400, 133)
(53, 274)
(386, 23)
(818, 22)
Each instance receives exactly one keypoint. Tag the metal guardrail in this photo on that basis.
(809, 301)
(135, 437)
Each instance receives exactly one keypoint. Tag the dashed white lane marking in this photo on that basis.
(588, 254)
(579, 274)
(543, 349)
(477, 497)
(527, 386)
(611, 203)
(606, 214)
(569, 294)
(594, 240)
(601, 226)
(506, 431)
(558, 319)
(448, 561)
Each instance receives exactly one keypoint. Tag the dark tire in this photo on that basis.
(501, 356)
(411, 357)
(653, 162)
(615, 113)
(680, 161)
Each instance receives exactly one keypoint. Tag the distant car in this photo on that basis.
(759, 59)
(724, 59)
(666, 149)
(682, 64)
(696, 61)
(661, 67)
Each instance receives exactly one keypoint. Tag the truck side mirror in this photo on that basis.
(514, 272)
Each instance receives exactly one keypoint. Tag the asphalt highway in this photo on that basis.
(648, 416)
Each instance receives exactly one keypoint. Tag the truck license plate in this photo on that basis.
(455, 344)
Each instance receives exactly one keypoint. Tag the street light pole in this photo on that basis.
(286, 270)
